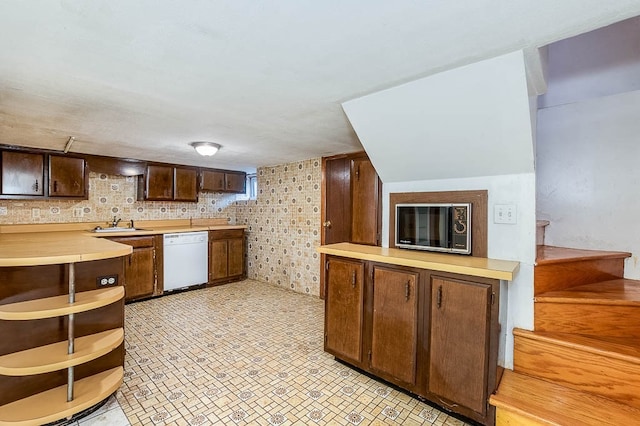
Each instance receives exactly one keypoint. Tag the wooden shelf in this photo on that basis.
(52, 405)
(54, 357)
(59, 305)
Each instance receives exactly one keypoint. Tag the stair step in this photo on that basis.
(609, 308)
(522, 399)
(52, 405)
(558, 268)
(584, 363)
(551, 254)
(613, 292)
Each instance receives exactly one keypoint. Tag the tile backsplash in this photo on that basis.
(114, 196)
(284, 226)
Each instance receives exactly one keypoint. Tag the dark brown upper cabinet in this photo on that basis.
(35, 175)
(158, 183)
(22, 173)
(185, 184)
(221, 181)
(67, 177)
(168, 183)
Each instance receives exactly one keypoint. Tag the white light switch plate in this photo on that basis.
(3, 211)
(505, 213)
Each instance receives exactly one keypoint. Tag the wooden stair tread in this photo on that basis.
(623, 348)
(52, 405)
(548, 403)
(613, 292)
(551, 254)
(59, 305)
(54, 357)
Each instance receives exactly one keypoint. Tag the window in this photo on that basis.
(252, 186)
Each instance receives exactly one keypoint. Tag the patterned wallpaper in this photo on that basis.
(114, 195)
(284, 226)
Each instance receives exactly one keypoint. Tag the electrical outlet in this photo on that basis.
(3, 211)
(78, 212)
(505, 213)
(107, 281)
(35, 212)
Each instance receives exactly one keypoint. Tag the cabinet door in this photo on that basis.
(235, 249)
(459, 347)
(212, 181)
(186, 184)
(236, 182)
(364, 202)
(67, 177)
(337, 224)
(159, 183)
(139, 273)
(218, 258)
(22, 173)
(344, 309)
(395, 323)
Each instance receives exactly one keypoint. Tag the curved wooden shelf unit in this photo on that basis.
(52, 405)
(54, 357)
(59, 305)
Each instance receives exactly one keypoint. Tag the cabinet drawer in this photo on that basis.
(136, 242)
(226, 234)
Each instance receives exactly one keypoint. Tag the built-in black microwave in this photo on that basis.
(434, 227)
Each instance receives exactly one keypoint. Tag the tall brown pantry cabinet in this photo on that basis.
(351, 203)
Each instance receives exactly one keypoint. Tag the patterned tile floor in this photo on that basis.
(247, 353)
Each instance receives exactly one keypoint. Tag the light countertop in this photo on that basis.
(31, 249)
(454, 263)
(31, 245)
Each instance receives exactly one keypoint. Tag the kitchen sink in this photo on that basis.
(115, 229)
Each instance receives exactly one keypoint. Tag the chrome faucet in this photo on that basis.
(114, 222)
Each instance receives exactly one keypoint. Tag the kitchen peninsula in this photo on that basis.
(67, 350)
(62, 297)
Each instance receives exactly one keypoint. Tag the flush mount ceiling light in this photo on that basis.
(206, 148)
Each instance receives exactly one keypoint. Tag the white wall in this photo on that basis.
(588, 175)
(465, 129)
(599, 63)
(508, 242)
(469, 121)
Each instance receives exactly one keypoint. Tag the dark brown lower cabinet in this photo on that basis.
(458, 366)
(139, 267)
(226, 256)
(434, 334)
(344, 309)
(395, 323)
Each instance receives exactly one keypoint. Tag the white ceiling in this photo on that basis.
(142, 78)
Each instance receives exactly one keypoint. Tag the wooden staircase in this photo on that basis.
(581, 364)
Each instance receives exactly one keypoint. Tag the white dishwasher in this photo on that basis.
(185, 259)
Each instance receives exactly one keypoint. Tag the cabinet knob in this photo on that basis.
(353, 279)
(327, 224)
